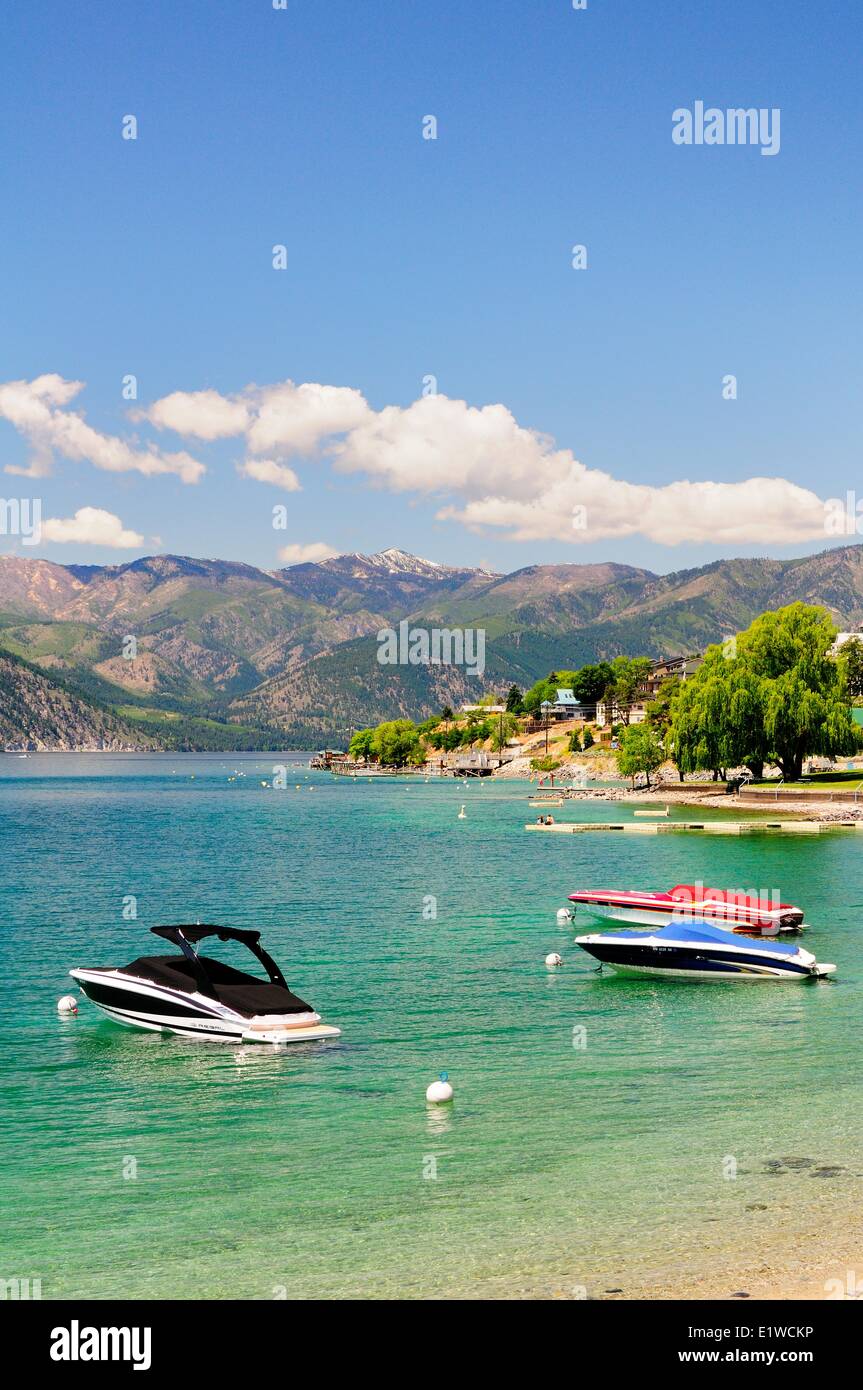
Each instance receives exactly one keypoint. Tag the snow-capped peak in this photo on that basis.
(399, 562)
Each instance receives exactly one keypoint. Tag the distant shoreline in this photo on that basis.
(159, 752)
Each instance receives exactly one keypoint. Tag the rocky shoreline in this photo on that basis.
(666, 789)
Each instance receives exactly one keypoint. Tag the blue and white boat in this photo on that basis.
(700, 951)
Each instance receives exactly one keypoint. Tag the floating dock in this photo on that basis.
(706, 827)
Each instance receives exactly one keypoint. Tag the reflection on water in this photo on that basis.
(439, 1119)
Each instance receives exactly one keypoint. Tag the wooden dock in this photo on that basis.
(705, 827)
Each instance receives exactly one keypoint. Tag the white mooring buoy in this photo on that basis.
(462, 815)
(440, 1091)
(67, 1005)
(553, 959)
(563, 916)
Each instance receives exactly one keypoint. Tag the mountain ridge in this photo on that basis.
(294, 649)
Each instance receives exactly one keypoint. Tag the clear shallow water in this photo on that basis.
(303, 1169)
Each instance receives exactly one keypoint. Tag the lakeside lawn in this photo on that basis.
(834, 781)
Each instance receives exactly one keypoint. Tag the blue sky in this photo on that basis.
(451, 257)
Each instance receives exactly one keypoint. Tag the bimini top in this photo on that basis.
(214, 978)
(705, 931)
(198, 932)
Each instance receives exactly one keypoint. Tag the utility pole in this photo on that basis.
(546, 707)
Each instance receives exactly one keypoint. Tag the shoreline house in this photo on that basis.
(610, 712)
(671, 668)
(842, 638)
(566, 706)
(563, 706)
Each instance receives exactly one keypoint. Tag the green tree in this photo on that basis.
(545, 764)
(658, 709)
(574, 742)
(542, 690)
(640, 751)
(702, 733)
(514, 700)
(503, 729)
(590, 683)
(773, 695)
(471, 733)
(660, 714)
(851, 667)
(446, 739)
(628, 673)
(361, 745)
(396, 742)
(588, 739)
(800, 686)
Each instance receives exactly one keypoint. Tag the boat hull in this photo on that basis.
(139, 1003)
(646, 913)
(710, 964)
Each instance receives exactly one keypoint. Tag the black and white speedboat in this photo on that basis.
(701, 951)
(200, 997)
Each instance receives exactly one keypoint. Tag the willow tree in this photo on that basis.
(773, 694)
(805, 705)
(702, 734)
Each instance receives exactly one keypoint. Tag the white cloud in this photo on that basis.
(767, 511)
(204, 414)
(440, 445)
(279, 422)
(91, 526)
(296, 419)
(487, 471)
(516, 479)
(269, 471)
(297, 554)
(38, 411)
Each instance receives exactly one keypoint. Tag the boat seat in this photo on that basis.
(234, 988)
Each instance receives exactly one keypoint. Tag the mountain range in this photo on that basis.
(227, 655)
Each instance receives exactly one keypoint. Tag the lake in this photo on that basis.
(606, 1133)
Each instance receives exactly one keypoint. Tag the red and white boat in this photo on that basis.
(753, 912)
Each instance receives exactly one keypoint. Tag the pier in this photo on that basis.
(705, 827)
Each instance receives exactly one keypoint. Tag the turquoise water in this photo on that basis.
(318, 1170)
